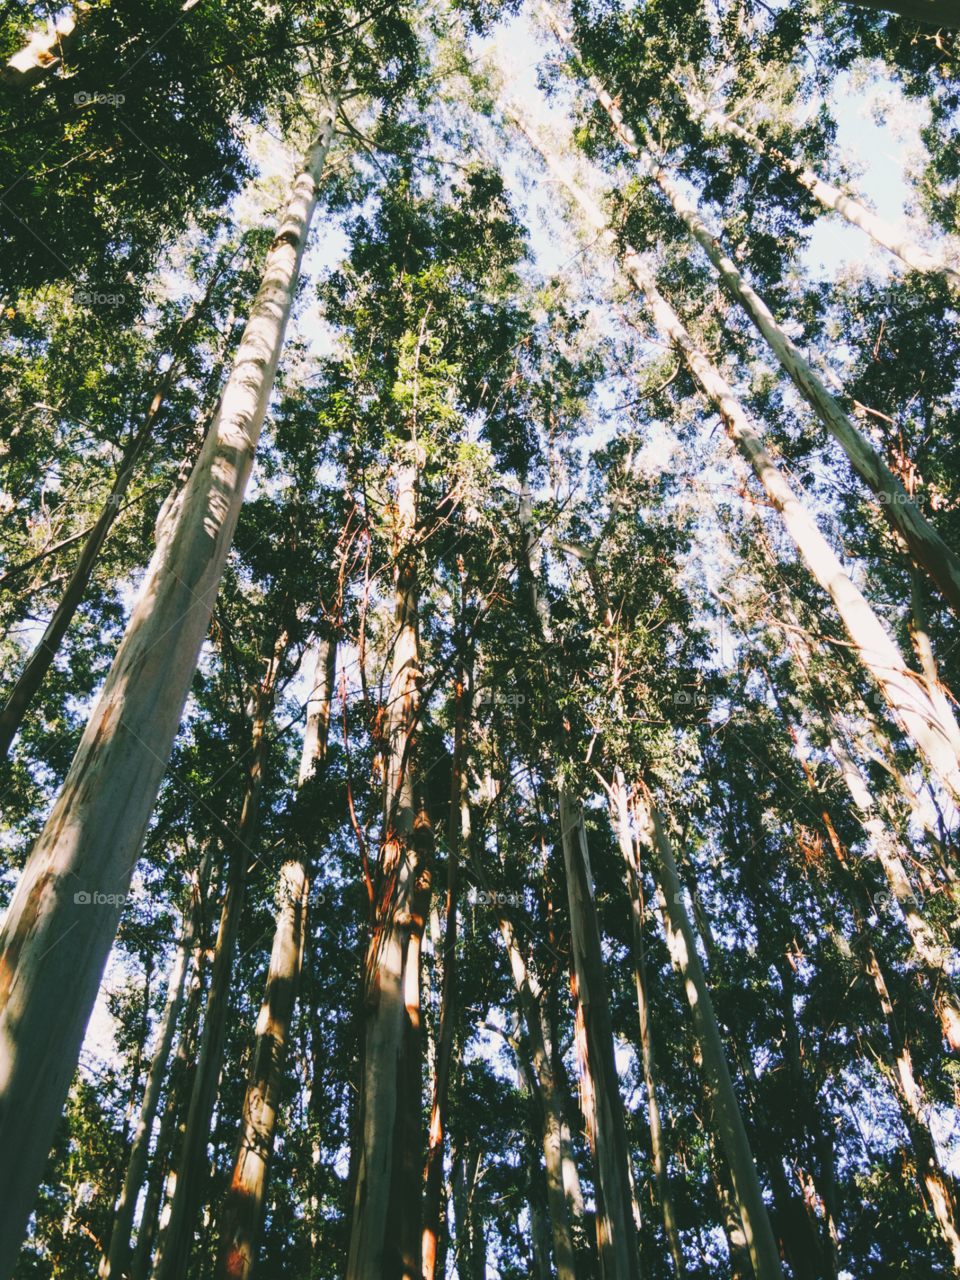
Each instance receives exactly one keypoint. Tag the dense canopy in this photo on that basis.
(480, 639)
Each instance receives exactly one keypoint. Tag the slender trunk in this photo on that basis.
(603, 1106)
(386, 1228)
(831, 197)
(242, 1214)
(179, 1074)
(114, 1261)
(53, 948)
(559, 1176)
(934, 732)
(683, 952)
(929, 1170)
(901, 512)
(459, 829)
(176, 1240)
(627, 849)
(600, 1085)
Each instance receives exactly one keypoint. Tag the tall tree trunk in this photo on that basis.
(543, 1056)
(603, 1105)
(242, 1215)
(386, 1228)
(459, 830)
(114, 1261)
(53, 947)
(622, 821)
(600, 1085)
(935, 733)
(683, 952)
(178, 1078)
(176, 1240)
(901, 246)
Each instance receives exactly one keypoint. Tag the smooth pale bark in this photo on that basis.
(53, 948)
(386, 1228)
(544, 1067)
(934, 956)
(932, 727)
(761, 1241)
(898, 507)
(618, 796)
(114, 1261)
(911, 254)
(176, 1239)
(459, 831)
(241, 1218)
(599, 1083)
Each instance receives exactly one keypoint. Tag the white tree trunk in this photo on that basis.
(930, 723)
(764, 1252)
(114, 1262)
(54, 946)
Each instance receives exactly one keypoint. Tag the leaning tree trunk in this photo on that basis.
(628, 850)
(54, 945)
(901, 512)
(386, 1229)
(241, 1218)
(761, 1241)
(934, 731)
(176, 1240)
(901, 246)
(114, 1261)
(933, 1179)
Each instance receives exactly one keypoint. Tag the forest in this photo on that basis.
(479, 640)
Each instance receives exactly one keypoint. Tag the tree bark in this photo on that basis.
(761, 1242)
(560, 1176)
(178, 1077)
(114, 1261)
(176, 1240)
(242, 1215)
(929, 1170)
(386, 1228)
(53, 947)
(627, 849)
